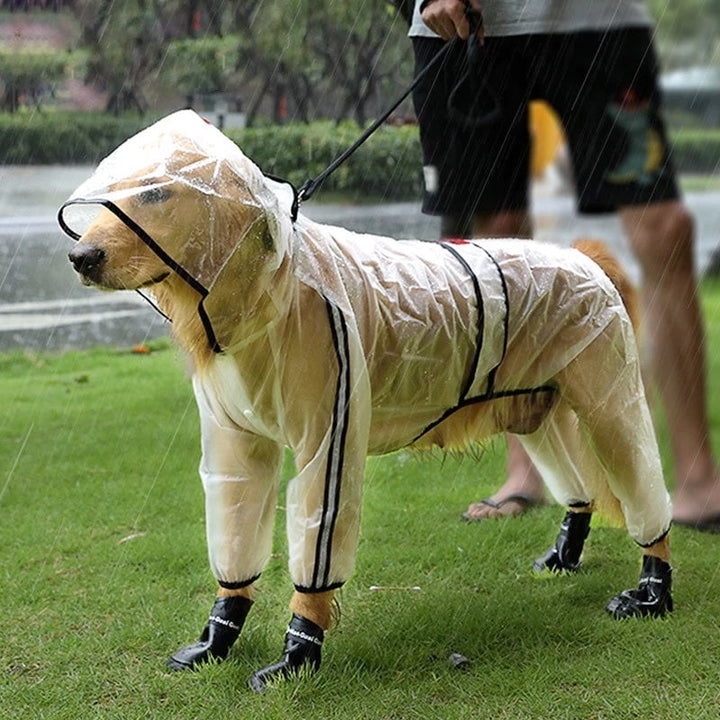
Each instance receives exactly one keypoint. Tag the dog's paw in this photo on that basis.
(303, 645)
(190, 657)
(552, 562)
(652, 597)
(223, 627)
(639, 603)
(564, 556)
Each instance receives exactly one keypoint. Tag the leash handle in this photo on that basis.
(477, 28)
(465, 104)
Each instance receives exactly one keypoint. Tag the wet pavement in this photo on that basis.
(44, 307)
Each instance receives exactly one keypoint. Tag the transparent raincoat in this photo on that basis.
(338, 344)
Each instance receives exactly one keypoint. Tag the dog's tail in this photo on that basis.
(604, 501)
(599, 253)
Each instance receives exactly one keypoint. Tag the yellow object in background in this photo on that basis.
(547, 136)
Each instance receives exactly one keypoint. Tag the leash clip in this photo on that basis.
(306, 190)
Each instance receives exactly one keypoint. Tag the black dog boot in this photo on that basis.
(303, 644)
(565, 554)
(652, 598)
(223, 627)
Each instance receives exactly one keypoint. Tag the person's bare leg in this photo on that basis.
(522, 488)
(523, 485)
(661, 237)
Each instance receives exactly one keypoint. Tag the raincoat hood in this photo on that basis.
(233, 204)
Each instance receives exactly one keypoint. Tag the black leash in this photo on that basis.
(311, 185)
(471, 116)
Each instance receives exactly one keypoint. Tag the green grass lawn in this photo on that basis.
(104, 574)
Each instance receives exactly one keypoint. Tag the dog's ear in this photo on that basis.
(243, 226)
(257, 241)
(236, 299)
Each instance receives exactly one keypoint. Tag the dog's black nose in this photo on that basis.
(87, 259)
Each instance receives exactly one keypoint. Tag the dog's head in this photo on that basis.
(179, 201)
(144, 229)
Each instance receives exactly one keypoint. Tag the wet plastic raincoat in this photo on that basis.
(337, 345)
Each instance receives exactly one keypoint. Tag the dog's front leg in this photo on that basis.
(323, 506)
(653, 595)
(240, 472)
(328, 427)
(311, 615)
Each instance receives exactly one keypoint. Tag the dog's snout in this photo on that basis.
(87, 259)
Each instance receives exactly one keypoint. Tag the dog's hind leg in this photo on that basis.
(564, 555)
(604, 388)
(305, 633)
(557, 451)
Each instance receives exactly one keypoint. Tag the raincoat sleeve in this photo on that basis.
(324, 499)
(240, 472)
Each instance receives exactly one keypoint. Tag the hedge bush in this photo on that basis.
(388, 165)
(51, 138)
(696, 150)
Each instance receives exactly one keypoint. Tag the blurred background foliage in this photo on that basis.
(296, 60)
(281, 60)
(79, 76)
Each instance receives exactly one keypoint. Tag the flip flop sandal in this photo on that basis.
(525, 501)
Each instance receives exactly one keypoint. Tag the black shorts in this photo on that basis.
(604, 88)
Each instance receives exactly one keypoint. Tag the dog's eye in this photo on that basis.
(154, 195)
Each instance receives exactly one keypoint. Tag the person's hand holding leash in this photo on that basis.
(449, 18)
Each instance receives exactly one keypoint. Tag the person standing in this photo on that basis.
(595, 64)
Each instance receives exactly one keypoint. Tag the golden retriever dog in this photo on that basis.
(338, 345)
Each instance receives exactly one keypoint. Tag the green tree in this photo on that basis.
(125, 43)
(286, 58)
(330, 58)
(201, 65)
(688, 31)
(26, 77)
